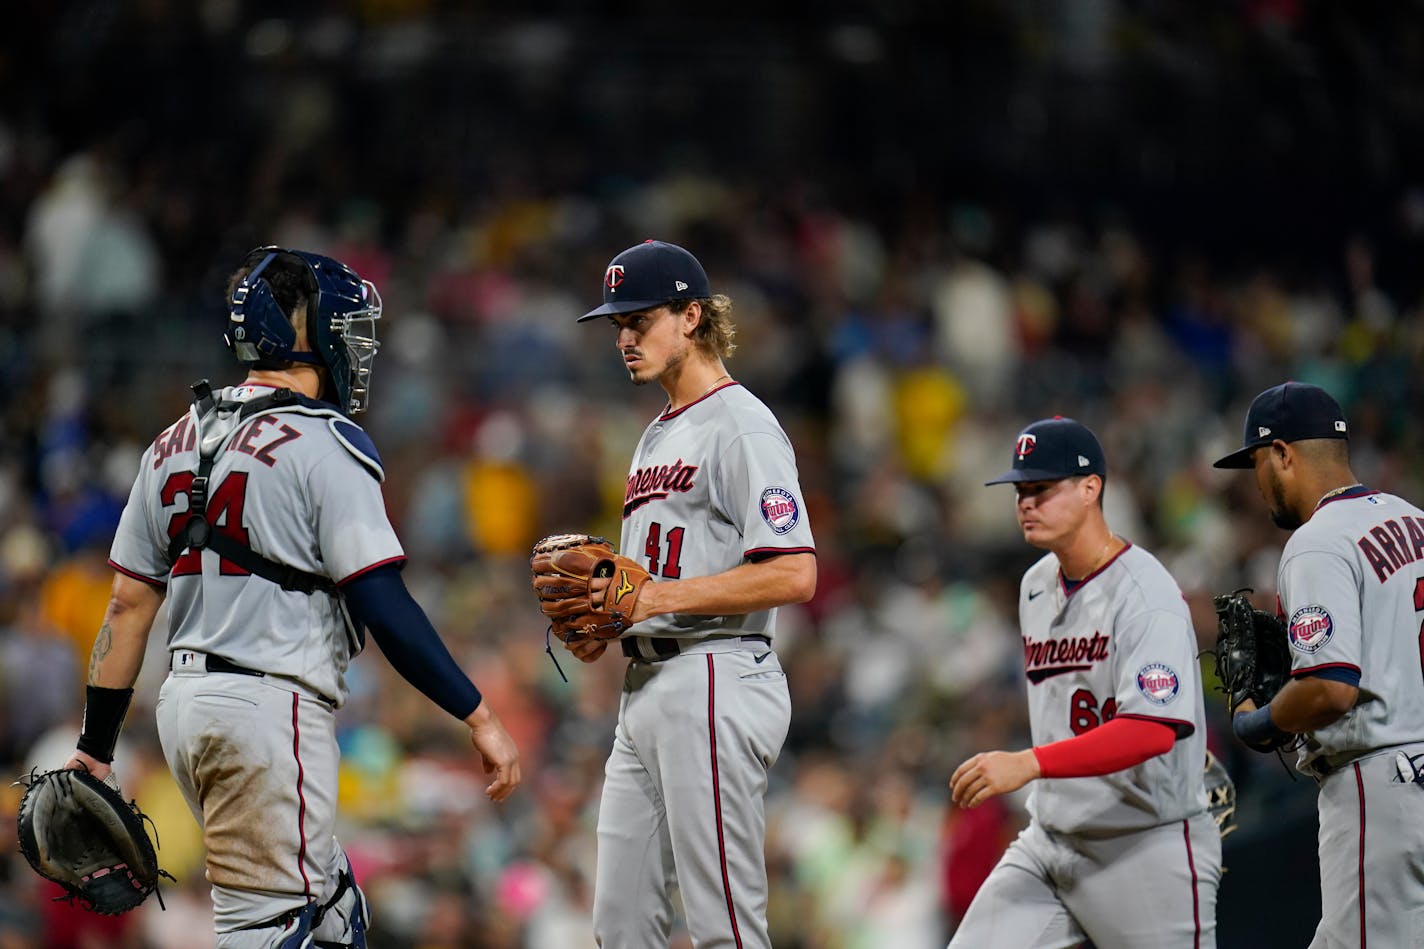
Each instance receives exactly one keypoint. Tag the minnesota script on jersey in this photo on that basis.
(1351, 584)
(297, 484)
(1121, 644)
(681, 522)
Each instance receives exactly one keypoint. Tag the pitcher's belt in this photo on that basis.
(658, 648)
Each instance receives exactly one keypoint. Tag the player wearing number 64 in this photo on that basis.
(1119, 807)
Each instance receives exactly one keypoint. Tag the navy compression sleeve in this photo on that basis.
(379, 601)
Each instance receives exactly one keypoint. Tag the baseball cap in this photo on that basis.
(1053, 449)
(1292, 412)
(648, 275)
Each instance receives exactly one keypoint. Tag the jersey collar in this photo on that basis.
(1345, 494)
(706, 395)
(1069, 587)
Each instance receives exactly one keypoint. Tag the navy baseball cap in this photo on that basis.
(647, 275)
(1053, 449)
(1292, 412)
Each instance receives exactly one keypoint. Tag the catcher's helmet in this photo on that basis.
(342, 310)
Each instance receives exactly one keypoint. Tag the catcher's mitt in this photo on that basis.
(563, 566)
(79, 832)
(1252, 655)
(1220, 795)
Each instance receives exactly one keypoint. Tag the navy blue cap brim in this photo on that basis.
(622, 306)
(1238, 459)
(1016, 475)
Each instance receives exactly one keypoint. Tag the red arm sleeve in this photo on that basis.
(1112, 746)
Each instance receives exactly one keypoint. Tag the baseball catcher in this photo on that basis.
(79, 832)
(564, 568)
(1252, 656)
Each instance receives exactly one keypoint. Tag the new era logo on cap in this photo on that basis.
(649, 275)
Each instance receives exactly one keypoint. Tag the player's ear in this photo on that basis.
(1092, 487)
(691, 316)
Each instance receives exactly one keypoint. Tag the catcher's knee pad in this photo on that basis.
(342, 921)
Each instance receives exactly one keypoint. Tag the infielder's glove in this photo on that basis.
(563, 565)
(79, 832)
(1220, 795)
(1252, 656)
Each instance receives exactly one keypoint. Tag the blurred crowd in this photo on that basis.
(903, 336)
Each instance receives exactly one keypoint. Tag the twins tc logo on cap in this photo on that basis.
(1310, 628)
(613, 276)
(1024, 446)
(779, 509)
(1158, 683)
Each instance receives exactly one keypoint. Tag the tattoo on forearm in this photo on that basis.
(102, 644)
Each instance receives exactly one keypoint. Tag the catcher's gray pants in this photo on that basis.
(1372, 854)
(683, 793)
(256, 760)
(1146, 889)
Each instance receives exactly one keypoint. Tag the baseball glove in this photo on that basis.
(1252, 656)
(563, 565)
(79, 832)
(1220, 795)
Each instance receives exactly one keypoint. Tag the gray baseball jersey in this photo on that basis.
(1121, 644)
(298, 485)
(712, 485)
(1351, 585)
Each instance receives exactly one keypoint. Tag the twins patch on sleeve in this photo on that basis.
(779, 509)
(1158, 683)
(1310, 628)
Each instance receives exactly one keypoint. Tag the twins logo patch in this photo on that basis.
(779, 509)
(1310, 628)
(1158, 683)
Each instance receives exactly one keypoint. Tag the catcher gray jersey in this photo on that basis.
(1121, 644)
(319, 508)
(1351, 586)
(712, 485)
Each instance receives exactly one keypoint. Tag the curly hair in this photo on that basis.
(716, 331)
(288, 276)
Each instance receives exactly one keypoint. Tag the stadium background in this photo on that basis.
(939, 221)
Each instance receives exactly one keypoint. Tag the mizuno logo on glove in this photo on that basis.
(625, 586)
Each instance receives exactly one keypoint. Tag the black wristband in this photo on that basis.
(104, 711)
